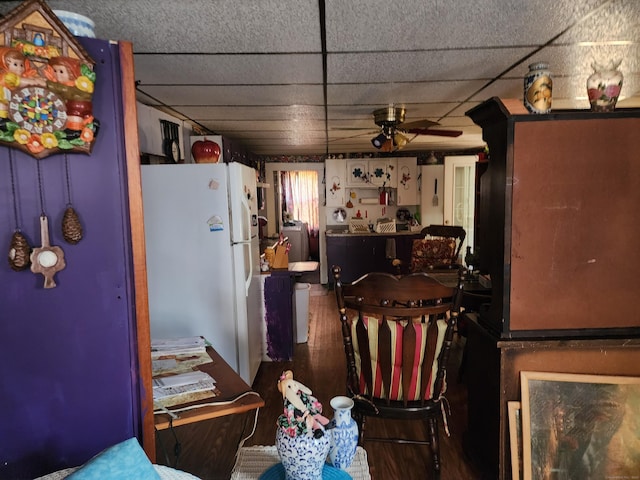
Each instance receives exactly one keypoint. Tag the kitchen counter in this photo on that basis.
(346, 233)
(359, 253)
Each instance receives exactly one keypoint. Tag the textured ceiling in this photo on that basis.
(301, 77)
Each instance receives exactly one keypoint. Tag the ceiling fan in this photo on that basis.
(394, 132)
(394, 129)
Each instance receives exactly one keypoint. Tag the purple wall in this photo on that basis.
(69, 382)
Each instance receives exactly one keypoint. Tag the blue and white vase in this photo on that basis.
(302, 456)
(538, 88)
(344, 437)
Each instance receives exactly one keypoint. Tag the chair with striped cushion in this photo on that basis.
(397, 333)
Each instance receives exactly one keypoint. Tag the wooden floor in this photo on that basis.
(208, 448)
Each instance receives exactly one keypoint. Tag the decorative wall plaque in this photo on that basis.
(46, 84)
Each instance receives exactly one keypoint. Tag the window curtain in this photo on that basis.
(300, 197)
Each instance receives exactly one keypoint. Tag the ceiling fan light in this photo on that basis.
(387, 146)
(400, 140)
(379, 140)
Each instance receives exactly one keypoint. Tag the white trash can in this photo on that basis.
(301, 305)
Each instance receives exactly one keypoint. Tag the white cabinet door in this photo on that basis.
(358, 173)
(383, 172)
(335, 182)
(407, 180)
(372, 173)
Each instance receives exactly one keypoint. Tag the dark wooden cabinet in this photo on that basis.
(481, 169)
(337, 255)
(360, 254)
(558, 233)
(493, 379)
(559, 222)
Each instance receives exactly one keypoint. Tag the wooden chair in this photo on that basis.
(397, 333)
(439, 249)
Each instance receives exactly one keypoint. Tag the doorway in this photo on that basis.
(299, 212)
(459, 198)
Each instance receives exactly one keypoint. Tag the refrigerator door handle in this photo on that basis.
(246, 219)
(247, 280)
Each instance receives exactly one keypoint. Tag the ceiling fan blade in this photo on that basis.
(437, 133)
(424, 123)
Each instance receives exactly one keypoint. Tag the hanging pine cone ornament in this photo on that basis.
(71, 226)
(19, 252)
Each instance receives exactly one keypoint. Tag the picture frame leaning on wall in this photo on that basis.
(580, 426)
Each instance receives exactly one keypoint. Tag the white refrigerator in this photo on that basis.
(203, 258)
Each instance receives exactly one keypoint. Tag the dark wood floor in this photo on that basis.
(208, 448)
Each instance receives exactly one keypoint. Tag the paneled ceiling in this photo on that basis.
(302, 77)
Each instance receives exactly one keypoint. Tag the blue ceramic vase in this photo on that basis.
(344, 437)
(302, 456)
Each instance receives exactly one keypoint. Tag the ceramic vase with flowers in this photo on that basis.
(301, 440)
(604, 86)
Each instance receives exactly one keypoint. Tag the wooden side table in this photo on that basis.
(253, 461)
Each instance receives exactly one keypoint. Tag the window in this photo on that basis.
(300, 197)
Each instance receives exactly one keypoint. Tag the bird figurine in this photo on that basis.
(471, 260)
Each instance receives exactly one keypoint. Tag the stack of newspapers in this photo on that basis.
(176, 378)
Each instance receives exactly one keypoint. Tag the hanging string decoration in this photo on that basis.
(46, 259)
(19, 249)
(71, 226)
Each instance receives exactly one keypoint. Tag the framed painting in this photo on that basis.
(580, 427)
(515, 439)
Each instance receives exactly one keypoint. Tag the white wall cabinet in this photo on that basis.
(358, 173)
(335, 184)
(407, 181)
(372, 172)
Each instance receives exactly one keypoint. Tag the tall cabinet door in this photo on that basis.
(335, 183)
(407, 181)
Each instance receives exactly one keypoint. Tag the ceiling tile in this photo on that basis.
(430, 65)
(270, 113)
(221, 26)
(418, 24)
(200, 69)
(238, 95)
(397, 93)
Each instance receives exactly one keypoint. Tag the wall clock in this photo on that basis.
(170, 141)
(172, 150)
(47, 80)
(38, 110)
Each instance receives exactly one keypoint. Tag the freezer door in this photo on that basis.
(242, 202)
